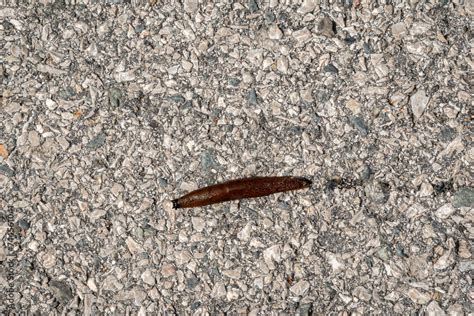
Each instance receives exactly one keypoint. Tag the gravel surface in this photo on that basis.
(108, 112)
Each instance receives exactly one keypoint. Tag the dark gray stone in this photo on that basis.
(359, 124)
(367, 48)
(378, 192)
(234, 82)
(192, 282)
(61, 291)
(23, 224)
(6, 170)
(115, 97)
(97, 141)
(177, 98)
(270, 17)
(350, 40)
(327, 27)
(252, 97)
(447, 134)
(365, 173)
(208, 160)
(253, 6)
(464, 197)
(163, 182)
(67, 93)
(331, 68)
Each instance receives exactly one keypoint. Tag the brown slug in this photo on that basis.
(240, 189)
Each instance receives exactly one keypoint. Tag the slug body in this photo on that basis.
(240, 189)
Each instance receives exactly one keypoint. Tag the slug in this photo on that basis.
(240, 189)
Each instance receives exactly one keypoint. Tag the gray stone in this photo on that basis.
(4, 169)
(274, 32)
(218, 290)
(191, 6)
(115, 97)
(61, 290)
(234, 82)
(331, 68)
(447, 134)
(300, 288)
(464, 197)
(252, 97)
(270, 17)
(208, 160)
(418, 297)
(177, 98)
(445, 211)
(253, 6)
(399, 30)
(418, 102)
(148, 277)
(192, 282)
(327, 27)
(282, 64)
(466, 266)
(433, 309)
(377, 191)
(97, 142)
(362, 293)
(24, 224)
(307, 6)
(359, 124)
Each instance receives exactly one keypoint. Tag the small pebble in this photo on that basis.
(327, 27)
(252, 97)
(253, 6)
(418, 102)
(97, 142)
(464, 197)
(61, 290)
(331, 68)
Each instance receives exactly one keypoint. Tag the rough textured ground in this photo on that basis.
(110, 111)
